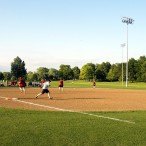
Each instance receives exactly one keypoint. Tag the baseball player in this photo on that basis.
(61, 85)
(21, 84)
(94, 83)
(45, 85)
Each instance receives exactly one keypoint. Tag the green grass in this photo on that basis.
(86, 84)
(39, 128)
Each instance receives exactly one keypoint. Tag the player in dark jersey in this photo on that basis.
(21, 84)
(94, 83)
(61, 84)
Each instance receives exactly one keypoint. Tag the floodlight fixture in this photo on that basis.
(127, 20)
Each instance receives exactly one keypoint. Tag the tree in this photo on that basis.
(140, 68)
(114, 73)
(53, 74)
(102, 71)
(76, 72)
(132, 69)
(87, 71)
(99, 75)
(7, 76)
(142, 59)
(65, 72)
(43, 73)
(1, 76)
(143, 71)
(18, 68)
(32, 76)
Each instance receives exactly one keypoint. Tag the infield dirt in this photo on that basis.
(79, 99)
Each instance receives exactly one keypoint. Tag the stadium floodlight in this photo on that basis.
(127, 21)
(122, 46)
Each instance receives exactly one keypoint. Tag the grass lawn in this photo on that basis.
(86, 84)
(40, 128)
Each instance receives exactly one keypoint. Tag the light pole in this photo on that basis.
(122, 45)
(127, 21)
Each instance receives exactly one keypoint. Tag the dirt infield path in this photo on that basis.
(79, 99)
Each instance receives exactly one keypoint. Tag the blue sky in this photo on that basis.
(48, 33)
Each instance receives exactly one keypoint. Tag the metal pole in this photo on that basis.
(122, 46)
(122, 66)
(127, 60)
(127, 21)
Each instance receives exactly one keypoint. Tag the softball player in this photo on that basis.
(61, 85)
(45, 86)
(21, 84)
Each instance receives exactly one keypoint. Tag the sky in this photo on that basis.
(48, 33)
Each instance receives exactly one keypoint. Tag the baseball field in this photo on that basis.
(106, 116)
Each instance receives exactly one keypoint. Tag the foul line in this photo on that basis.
(72, 111)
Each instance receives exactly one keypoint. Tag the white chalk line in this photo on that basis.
(72, 111)
(6, 98)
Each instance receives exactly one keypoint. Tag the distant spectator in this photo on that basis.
(1, 85)
(29, 83)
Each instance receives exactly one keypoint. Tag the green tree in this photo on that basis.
(114, 73)
(7, 76)
(65, 72)
(88, 71)
(18, 68)
(142, 59)
(140, 68)
(132, 69)
(53, 74)
(32, 76)
(102, 71)
(143, 71)
(43, 73)
(76, 72)
(99, 75)
(1, 76)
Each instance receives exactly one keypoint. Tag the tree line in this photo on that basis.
(100, 72)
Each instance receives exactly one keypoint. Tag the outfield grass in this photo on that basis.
(40, 128)
(86, 84)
